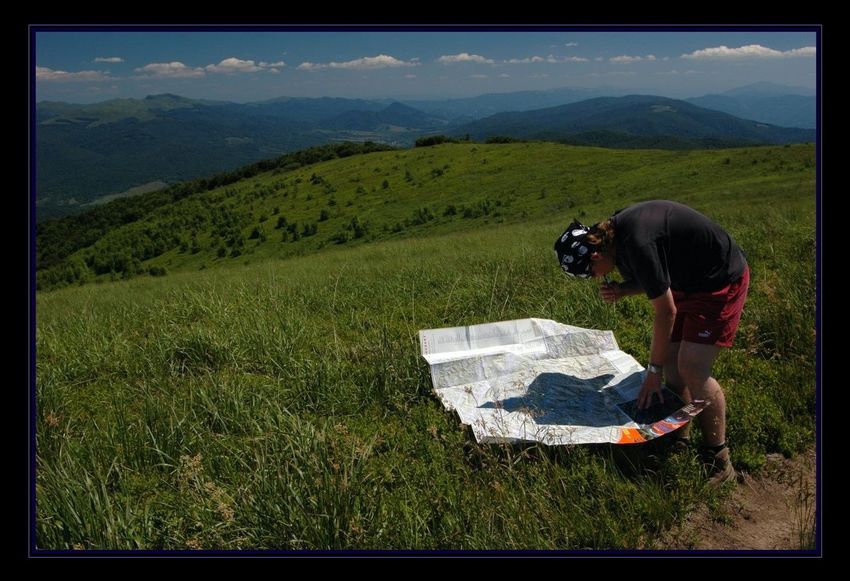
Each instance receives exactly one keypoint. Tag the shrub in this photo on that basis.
(434, 140)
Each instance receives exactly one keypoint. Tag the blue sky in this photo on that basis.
(85, 66)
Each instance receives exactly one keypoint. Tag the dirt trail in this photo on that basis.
(775, 510)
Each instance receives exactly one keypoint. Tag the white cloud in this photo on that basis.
(382, 61)
(109, 59)
(626, 60)
(409, 76)
(747, 52)
(804, 51)
(504, 76)
(571, 44)
(464, 58)
(541, 76)
(525, 61)
(46, 74)
(565, 59)
(233, 65)
(479, 76)
(674, 72)
(173, 70)
(552, 59)
(276, 65)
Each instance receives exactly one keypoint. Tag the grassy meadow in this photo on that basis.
(278, 400)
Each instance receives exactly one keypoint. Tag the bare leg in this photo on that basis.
(694, 367)
(675, 382)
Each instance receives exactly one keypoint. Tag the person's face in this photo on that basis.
(601, 264)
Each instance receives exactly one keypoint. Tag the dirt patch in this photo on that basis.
(775, 510)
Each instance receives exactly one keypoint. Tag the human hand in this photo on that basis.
(609, 291)
(651, 386)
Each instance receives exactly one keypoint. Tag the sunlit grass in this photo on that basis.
(284, 404)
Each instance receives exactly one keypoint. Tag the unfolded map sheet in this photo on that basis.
(537, 380)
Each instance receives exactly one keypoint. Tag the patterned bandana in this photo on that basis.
(574, 252)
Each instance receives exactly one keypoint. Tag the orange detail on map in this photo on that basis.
(630, 436)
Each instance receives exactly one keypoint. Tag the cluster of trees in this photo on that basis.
(120, 255)
(57, 239)
(438, 139)
(166, 224)
(355, 229)
(119, 238)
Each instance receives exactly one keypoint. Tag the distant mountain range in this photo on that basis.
(766, 102)
(488, 104)
(85, 153)
(633, 121)
(395, 115)
(781, 105)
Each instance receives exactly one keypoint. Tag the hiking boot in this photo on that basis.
(719, 467)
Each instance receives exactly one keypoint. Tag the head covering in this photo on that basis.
(574, 251)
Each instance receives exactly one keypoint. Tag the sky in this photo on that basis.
(92, 65)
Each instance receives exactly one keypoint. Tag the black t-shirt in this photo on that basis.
(661, 244)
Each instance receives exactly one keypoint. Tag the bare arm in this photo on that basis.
(614, 291)
(662, 327)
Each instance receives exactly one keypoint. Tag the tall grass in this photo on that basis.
(805, 517)
(284, 404)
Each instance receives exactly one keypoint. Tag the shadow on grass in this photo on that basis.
(630, 460)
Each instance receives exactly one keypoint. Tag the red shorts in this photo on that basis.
(710, 318)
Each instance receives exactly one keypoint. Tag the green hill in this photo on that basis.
(104, 150)
(58, 113)
(672, 123)
(89, 152)
(385, 195)
(278, 399)
(86, 152)
(57, 239)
